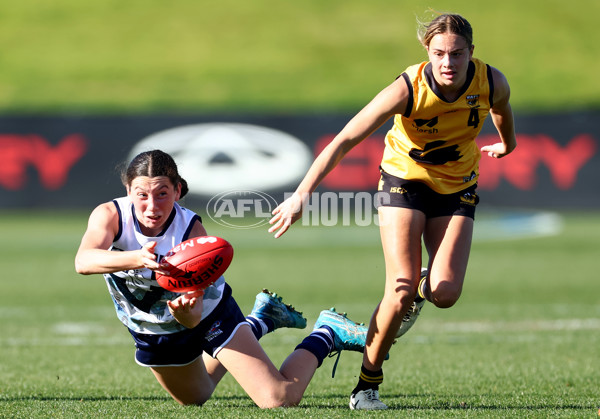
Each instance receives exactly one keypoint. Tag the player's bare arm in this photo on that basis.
(93, 256)
(390, 101)
(502, 117)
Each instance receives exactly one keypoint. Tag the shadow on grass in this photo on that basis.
(83, 398)
(416, 402)
(330, 402)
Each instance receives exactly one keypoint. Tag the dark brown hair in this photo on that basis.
(445, 23)
(152, 164)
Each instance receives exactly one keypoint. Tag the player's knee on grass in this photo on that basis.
(191, 399)
(185, 392)
(281, 397)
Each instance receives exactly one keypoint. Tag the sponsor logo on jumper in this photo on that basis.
(426, 125)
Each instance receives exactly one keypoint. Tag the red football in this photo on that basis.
(195, 263)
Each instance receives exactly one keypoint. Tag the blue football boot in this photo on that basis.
(270, 306)
(348, 335)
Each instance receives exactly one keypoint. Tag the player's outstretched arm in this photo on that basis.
(390, 101)
(93, 256)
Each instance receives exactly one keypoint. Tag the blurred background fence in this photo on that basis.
(73, 162)
(83, 85)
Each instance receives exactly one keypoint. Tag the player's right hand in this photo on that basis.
(287, 213)
(148, 258)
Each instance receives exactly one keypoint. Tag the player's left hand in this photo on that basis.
(496, 151)
(187, 308)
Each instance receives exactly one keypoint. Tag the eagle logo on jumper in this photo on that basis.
(436, 152)
(473, 101)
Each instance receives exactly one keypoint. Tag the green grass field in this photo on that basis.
(522, 341)
(134, 56)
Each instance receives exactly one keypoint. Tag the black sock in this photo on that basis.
(320, 343)
(260, 327)
(368, 380)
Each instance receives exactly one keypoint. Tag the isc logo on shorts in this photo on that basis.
(397, 189)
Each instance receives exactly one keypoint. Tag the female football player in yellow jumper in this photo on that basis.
(429, 173)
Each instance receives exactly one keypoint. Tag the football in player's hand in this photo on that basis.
(195, 264)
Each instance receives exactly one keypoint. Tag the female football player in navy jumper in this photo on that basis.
(429, 173)
(191, 340)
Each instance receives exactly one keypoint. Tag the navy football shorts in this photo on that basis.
(398, 192)
(182, 348)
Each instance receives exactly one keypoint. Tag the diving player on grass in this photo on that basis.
(189, 341)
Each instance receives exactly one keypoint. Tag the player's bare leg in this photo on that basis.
(402, 253)
(448, 243)
(188, 384)
(401, 230)
(268, 387)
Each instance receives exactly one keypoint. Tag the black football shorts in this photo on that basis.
(182, 348)
(402, 193)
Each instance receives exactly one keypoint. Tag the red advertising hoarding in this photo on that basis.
(73, 161)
